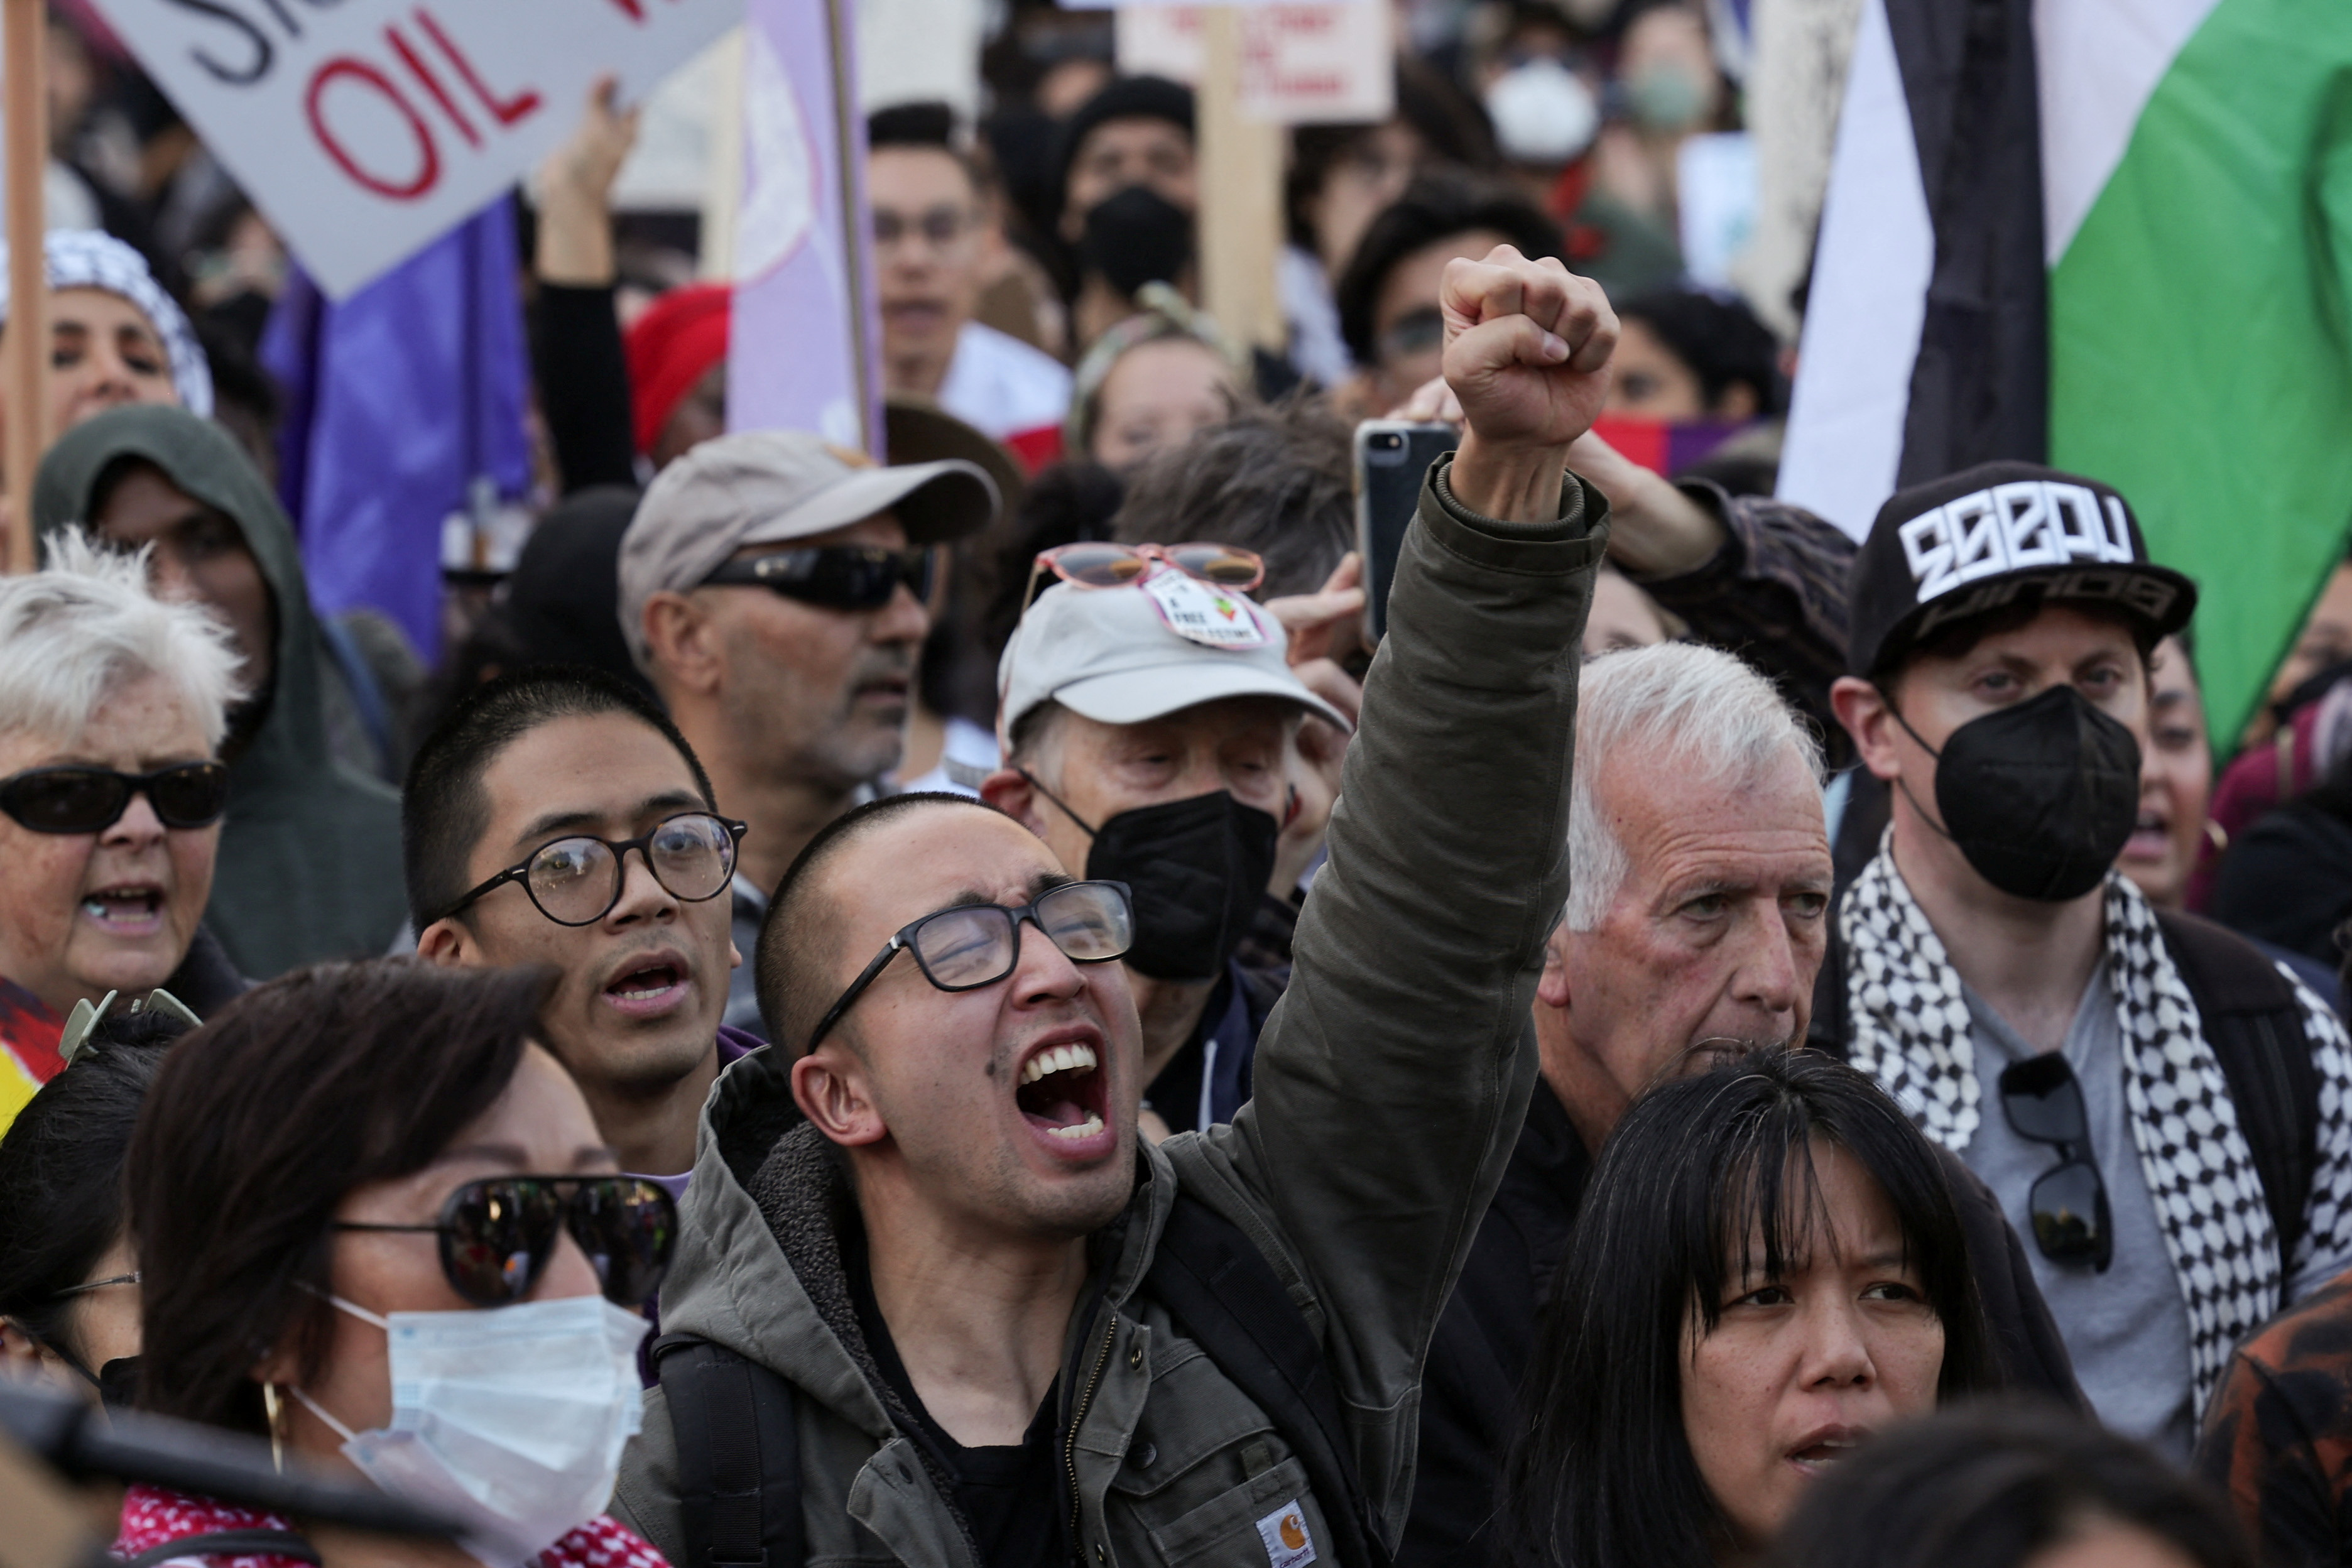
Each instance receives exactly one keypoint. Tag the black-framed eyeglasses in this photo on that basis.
(576, 881)
(2043, 1102)
(966, 946)
(75, 799)
(498, 1235)
(131, 1278)
(832, 576)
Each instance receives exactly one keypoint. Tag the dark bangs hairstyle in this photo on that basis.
(258, 1126)
(1600, 1474)
(61, 1177)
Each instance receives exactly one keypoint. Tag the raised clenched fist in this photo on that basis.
(1527, 348)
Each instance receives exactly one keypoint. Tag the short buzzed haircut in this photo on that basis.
(789, 972)
(444, 810)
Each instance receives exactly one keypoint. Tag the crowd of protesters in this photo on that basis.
(1671, 1037)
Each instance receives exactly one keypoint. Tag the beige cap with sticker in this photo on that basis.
(1122, 656)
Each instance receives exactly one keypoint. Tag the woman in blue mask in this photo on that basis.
(377, 1225)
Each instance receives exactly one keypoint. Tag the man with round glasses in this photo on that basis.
(1000, 1327)
(556, 817)
(773, 589)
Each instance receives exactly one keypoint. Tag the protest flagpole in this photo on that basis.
(1241, 160)
(25, 123)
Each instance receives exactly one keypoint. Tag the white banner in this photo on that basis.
(1325, 63)
(362, 128)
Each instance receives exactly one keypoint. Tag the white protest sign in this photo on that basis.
(1324, 63)
(363, 129)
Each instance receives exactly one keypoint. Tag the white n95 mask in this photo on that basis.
(510, 1420)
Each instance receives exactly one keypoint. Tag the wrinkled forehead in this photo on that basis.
(903, 869)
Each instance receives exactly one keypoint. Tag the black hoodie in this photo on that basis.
(309, 863)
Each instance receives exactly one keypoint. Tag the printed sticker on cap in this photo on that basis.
(1199, 613)
(1288, 1545)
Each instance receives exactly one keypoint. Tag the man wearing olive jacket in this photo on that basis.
(988, 1325)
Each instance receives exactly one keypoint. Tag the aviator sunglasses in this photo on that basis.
(498, 1235)
(2043, 1101)
(1094, 564)
(832, 576)
(75, 799)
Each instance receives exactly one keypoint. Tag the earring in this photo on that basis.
(276, 1410)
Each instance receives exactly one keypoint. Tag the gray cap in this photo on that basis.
(765, 487)
(1115, 654)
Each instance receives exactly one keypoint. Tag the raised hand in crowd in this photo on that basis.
(575, 189)
(1526, 356)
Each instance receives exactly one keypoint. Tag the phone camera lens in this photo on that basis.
(1388, 441)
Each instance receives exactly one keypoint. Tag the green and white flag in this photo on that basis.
(2115, 236)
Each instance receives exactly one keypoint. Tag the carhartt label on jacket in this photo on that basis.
(1288, 1545)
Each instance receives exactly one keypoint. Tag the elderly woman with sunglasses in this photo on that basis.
(376, 1223)
(112, 707)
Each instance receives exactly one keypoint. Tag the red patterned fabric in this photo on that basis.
(153, 1517)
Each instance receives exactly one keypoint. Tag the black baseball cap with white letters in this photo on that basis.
(1996, 535)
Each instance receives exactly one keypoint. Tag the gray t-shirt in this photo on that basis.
(2126, 1329)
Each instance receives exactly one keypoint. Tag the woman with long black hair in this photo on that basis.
(1769, 1268)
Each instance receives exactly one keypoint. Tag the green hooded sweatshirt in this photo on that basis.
(309, 863)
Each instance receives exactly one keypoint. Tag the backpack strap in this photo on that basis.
(226, 1543)
(739, 1456)
(2254, 1024)
(1225, 1297)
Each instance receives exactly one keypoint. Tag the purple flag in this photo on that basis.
(805, 352)
(403, 403)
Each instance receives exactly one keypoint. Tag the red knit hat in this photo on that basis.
(669, 348)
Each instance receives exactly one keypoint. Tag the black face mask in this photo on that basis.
(1195, 868)
(2040, 797)
(1136, 236)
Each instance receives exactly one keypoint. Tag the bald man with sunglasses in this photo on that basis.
(773, 589)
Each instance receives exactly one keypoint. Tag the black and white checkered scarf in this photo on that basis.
(1910, 1029)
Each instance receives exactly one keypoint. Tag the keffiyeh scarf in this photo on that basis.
(1910, 1029)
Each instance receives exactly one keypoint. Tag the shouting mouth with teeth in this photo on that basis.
(1063, 1094)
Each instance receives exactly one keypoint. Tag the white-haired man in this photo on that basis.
(1696, 919)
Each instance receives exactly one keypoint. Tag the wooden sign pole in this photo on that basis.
(25, 344)
(1241, 163)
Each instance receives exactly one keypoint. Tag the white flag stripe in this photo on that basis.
(2099, 62)
(1868, 299)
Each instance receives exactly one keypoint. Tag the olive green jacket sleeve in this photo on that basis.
(1391, 1078)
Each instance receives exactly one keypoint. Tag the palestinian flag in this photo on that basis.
(2115, 236)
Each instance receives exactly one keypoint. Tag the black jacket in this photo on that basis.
(1470, 1390)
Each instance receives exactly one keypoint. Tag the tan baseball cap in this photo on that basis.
(765, 487)
(1123, 655)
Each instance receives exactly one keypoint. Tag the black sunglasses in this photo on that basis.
(497, 1235)
(575, 881)
(2044, 1103)
(966, 946)
(73, 799)
(835, 577)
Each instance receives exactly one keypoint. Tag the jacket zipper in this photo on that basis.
(1077, 1419)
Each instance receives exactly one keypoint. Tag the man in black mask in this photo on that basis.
(2161, 1113)
(1128, 194)
(1155, 756)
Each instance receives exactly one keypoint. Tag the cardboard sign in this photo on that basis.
(1328, 63)
(363, 129)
